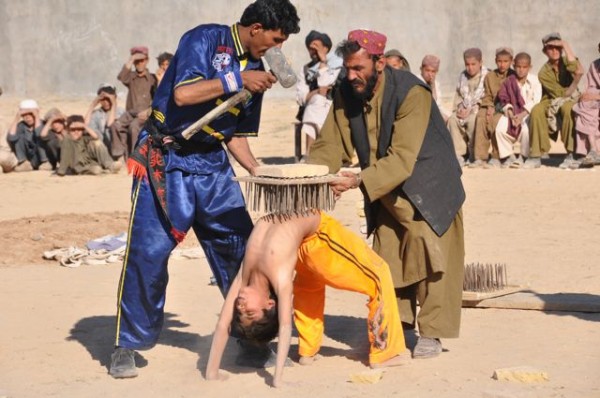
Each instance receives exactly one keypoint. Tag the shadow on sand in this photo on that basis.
(97, 333)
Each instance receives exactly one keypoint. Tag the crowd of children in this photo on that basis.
(494, 111)
(503, 117)
(99, 141)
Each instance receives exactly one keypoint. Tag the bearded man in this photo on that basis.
(410, 180)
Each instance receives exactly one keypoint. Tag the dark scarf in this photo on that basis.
(510, 93)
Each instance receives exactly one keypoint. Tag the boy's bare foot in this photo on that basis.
(306, 361)
(401, 359)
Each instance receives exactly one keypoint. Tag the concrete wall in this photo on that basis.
(67, 47)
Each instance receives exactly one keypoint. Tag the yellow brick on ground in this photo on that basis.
(523, 374)
(368, 377)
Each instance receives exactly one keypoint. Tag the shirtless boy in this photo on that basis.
(297, 256)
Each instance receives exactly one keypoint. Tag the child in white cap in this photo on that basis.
(23, 140)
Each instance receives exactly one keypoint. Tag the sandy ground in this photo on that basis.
(57, 324)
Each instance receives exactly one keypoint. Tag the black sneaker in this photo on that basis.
(122, 363)
(256, 355)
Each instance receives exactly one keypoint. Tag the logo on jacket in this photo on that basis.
(221, 61)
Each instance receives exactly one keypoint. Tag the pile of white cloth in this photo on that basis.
(105, 250)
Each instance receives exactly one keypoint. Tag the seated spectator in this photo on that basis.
(164, 59)
(141, 85)
(488, 116)
(103, 111)
(587, 117)
(82, 152)
(429, 69)
(517, 97)
(314, 91)
(559, 77)
(467, 99)
(396, 60)
(23, 140)
(8, 160)
(52, 134)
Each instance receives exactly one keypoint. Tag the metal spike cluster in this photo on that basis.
(484, 277)
(284, 196)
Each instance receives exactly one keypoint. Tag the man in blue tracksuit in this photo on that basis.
(180, 184)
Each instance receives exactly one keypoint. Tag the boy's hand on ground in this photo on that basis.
(285, 384)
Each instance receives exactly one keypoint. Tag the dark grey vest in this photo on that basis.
(434, 188)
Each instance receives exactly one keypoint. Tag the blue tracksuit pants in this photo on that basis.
(211, 204)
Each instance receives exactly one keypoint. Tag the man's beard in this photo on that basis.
(367, 93)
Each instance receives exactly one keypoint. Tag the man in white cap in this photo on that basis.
(22, 138)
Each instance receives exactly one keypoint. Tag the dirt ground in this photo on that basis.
(57, 324)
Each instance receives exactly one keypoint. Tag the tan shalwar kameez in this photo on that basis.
(484, 130)
(554, 84)
(424, 266)
(463, 131)
(83, 156)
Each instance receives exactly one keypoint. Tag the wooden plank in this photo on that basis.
(572, 302)
(478, 296)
